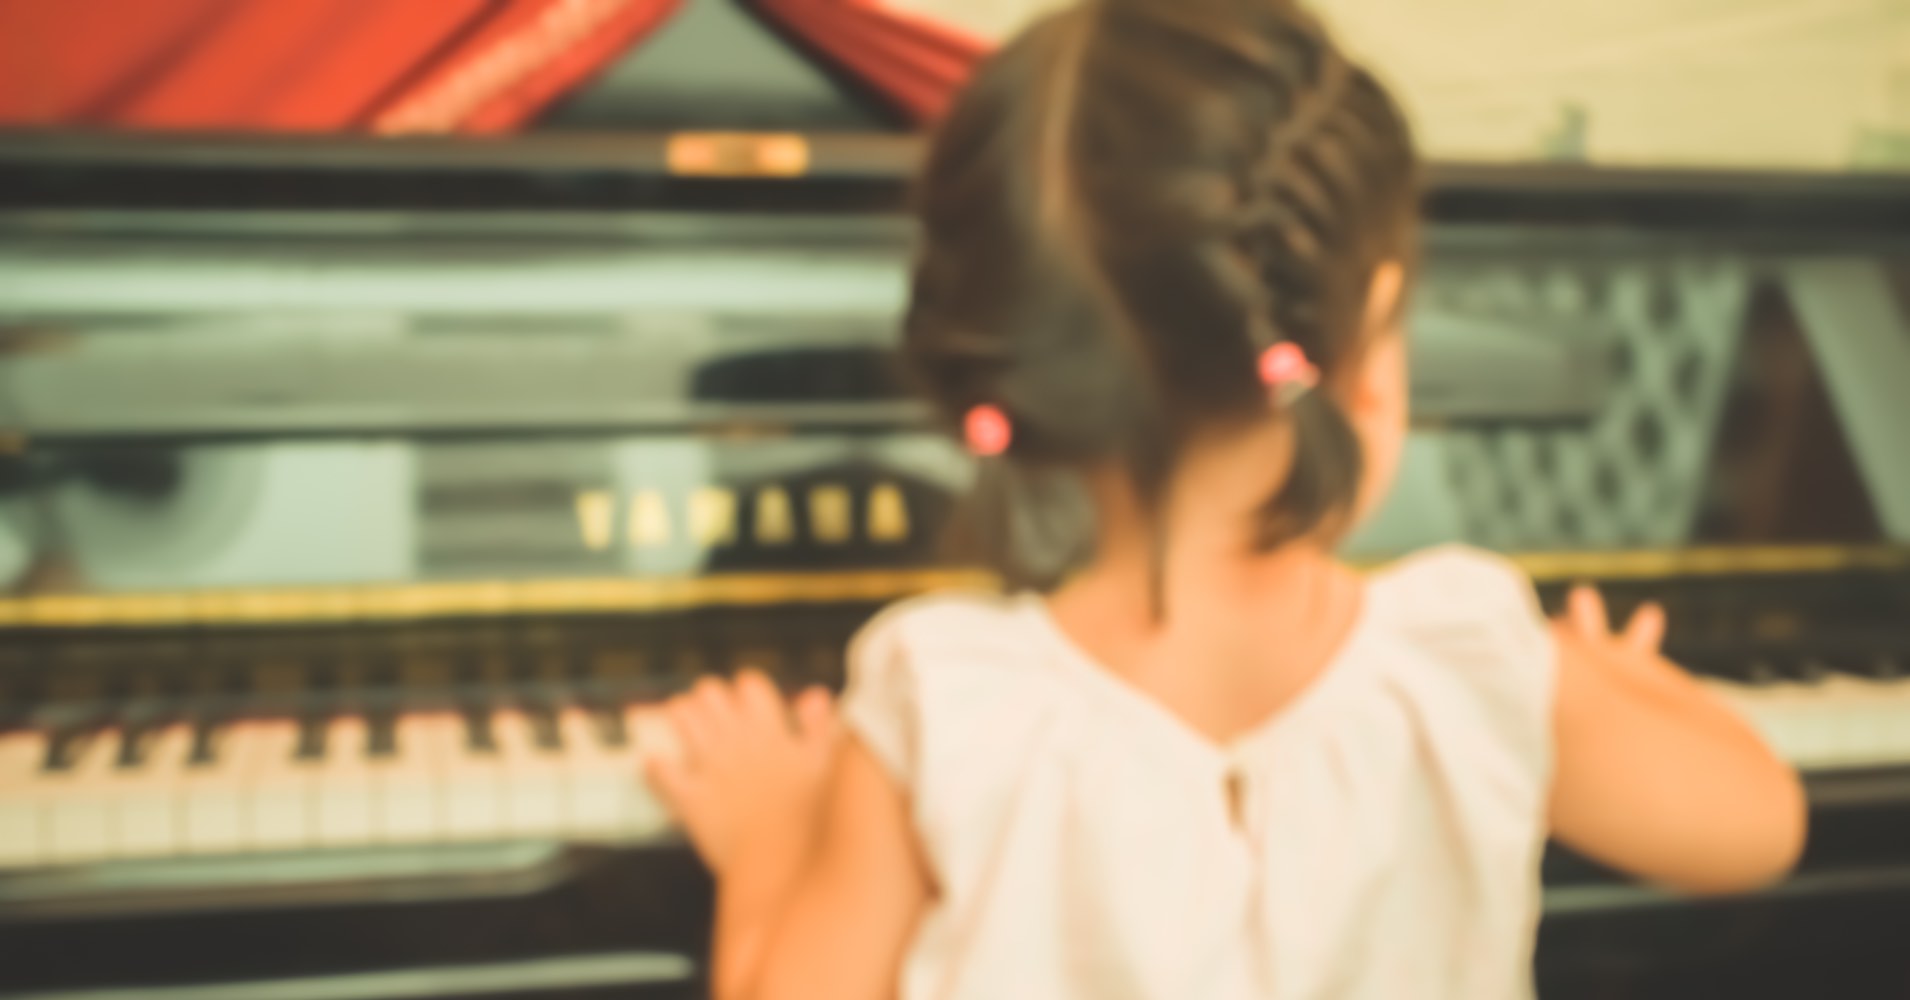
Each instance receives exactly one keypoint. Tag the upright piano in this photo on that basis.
(353, 494)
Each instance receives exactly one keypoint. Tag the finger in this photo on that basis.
(695, 732)
(1599, 650)
(715, 704)
(709, 688)
(669, 779)
(656, 733)
(815, 713)
(1585, 611)
(1646, 630)
(758, 698)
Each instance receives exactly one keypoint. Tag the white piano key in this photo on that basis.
(1837, 722)
(147, 819)
(22, 822)
(409, 786)
(533, 778)
(1893, 713)
(1814, 725)
(343, 795)
(1845, 708)
(80, 801)
(1759, 705)
(651, 735)
(1893, 718)
(1877, 730)
(598, 778)
(278, 788)
(473, 791)
(1781, 712)
(213, 794)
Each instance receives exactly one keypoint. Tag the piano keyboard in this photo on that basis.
(276, 785)
(1839, 721)
(436, 777)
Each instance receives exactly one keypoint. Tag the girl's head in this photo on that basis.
(1128, 206)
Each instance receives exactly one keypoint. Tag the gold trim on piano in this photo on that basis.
(401, 602)
(1721, 560)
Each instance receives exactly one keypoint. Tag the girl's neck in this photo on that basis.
(1198, 547)
(1218, 599)
(1243, 633)
(1200, 588)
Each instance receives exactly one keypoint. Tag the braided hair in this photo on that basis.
(1130, 203)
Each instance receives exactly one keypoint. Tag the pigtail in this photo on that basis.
(1325, 471)
(1304, 189)
(1034, 523)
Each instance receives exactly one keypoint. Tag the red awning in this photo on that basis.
(521, 60)
(470, 66)
(916, 63)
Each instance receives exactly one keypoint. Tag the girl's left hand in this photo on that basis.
(750, 770)
(1586, 617)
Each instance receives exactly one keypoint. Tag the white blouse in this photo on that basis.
(1389, 826)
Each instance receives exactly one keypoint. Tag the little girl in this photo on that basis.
(1165, 245)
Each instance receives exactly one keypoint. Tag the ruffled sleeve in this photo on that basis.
(879, 704)
(949, 693)
(1475, 616)
(1477, 613)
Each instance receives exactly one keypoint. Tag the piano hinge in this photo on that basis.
(737, 154)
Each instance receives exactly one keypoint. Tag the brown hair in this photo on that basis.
(1126, 206)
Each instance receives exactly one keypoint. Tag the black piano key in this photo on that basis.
(382, 734)
(320, 702)
(311, 736)
(137, 753)
(578, 673)
(65, 745)
(474, 695)
(479, 734)
(141, 732)
(134, 747)
(381, 677)
(536, 685)
(545, 734)
(139, 720)
(381, 701)
(214, 706)
(821, 665)
(207, 735)
(610, 727)
(68, 728)
(1810, 670)
(17, 697)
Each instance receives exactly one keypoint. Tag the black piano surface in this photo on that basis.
(531, 463)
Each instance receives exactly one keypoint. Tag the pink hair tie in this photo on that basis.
(1287, 372)
(987, 431)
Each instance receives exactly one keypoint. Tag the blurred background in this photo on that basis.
(1739, 83)
(1744, 83)
(394, 395)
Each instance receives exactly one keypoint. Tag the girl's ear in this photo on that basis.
(1382, 298)
(1379, 384)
